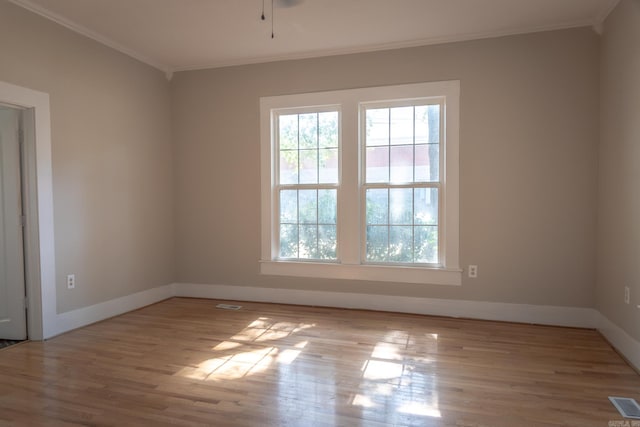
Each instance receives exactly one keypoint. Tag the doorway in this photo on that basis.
(13, 315)
(39, 246)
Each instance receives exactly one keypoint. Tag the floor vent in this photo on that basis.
(229, 306)
(628, 408)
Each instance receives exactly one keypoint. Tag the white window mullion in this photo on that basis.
(348, 197)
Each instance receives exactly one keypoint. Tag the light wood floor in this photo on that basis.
(184, 362)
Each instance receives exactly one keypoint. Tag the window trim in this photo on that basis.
(349, 265)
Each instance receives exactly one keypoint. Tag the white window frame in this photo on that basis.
(350, 264)
(364, 185)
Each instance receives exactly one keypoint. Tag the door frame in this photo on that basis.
(39, 245)
(13, 227)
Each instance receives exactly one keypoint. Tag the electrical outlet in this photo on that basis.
(473, 271)
(71, 281)
(627, 295)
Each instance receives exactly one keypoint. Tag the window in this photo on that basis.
(307, 184)
(402, 180)
(362, 184)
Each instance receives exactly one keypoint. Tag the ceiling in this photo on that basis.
(175, 35)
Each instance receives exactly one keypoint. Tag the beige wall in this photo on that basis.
(112, 164)
(619, 169)
(529, 132)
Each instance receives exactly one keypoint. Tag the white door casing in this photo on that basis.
(13, 323)
(38, 201)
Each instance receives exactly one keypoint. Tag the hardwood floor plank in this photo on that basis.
(185, 362)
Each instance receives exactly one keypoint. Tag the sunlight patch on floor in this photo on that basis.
(203, 370)
(239, 355)
(288, 355)
(379, 370)
(385, 350)
(233, 366)
(390, 368)
(265, 344)
(226, 345)
(415, 408)
(363, 401)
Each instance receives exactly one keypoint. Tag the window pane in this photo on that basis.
(426, 244)
(402, 163)
(308, 241)
(377, 127)
(377, 243)
(328, 165)
(308, 203)
(401, 125)
(400, 244)
(289, 206)
(327, 203)
(328, 129)
(300, 235)
(401, 206)
(377, 164)
(402, 225)
(434, 124)
(421, 125)
(289, 167)
(327, 242)
(308, 166)
(426, 206)
(288, 241)
(427, 163)
(377, 206)
(308, 124)
(289, 132)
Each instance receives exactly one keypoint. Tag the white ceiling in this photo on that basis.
(175, 35)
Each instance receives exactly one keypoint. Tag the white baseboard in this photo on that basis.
(74, 319)
(523, 313)
(620, 340)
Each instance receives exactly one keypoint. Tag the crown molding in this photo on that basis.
(73, 26)
(606, 10)
(386, 46)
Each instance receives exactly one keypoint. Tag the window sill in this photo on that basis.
(383, 273)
